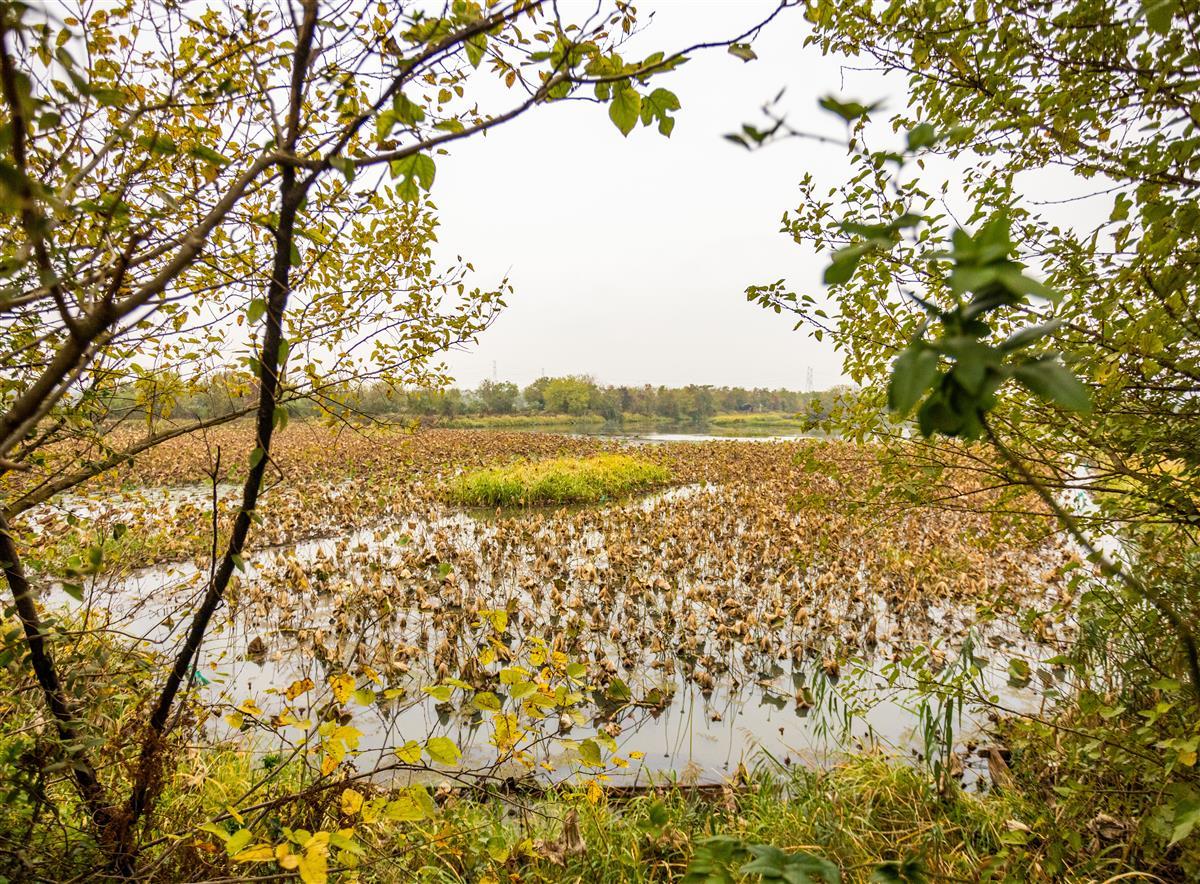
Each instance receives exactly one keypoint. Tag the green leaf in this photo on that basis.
(912, 374)
(108, 97)
(908, 871)
(346, 166)
(921, 136)
(208, 155)
(845, 262)
(1026, 336)
(1051, 380)
(1187, 815)
(404, 809)
(742, 51)
(619, 691)
(1159, 13)
(159, 144)
(415, 172)
(238, 840)
(255, 310)
(256, 456)
(1018, 672)
(658, 105)
(384, 124)
(847, 110)
(442, 750)
(406, 110)
(624, 109)
(800, 867)
(1020, 284)
(1121, 206)
(657, 817)
(487, 701)
(521, 690)
(476, 46)
(971, 360)
(589, 751)
(215, 829)
(576, 671)
(497, 849)
(711, 860)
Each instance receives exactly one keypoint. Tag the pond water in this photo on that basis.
(382, 597)
(681, 432)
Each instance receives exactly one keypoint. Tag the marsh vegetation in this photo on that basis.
(283, 602)
(720, 624)
(595, 479)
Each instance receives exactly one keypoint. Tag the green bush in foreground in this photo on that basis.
(560, 480)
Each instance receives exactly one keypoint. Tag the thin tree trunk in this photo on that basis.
(291, 197)
(47, 676)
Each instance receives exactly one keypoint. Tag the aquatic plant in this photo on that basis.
(560, 480)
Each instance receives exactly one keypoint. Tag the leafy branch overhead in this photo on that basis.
(953, 368)
(232, 197)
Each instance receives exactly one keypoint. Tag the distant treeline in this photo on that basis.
(574, 396)
(580, 396)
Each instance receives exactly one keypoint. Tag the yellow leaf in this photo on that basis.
(313, 868)
(259, 853)
(352, 801)
(442, 750)
(328, 765)
(312, 864)
(594, 793)
(410, 752)
(498, 619)
(372, 809)
(299, 687)
(343, 687)
(637, 755)
(404, 809)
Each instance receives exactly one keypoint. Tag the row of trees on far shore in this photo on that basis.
(574, 395)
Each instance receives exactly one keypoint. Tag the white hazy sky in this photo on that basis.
(630, 256)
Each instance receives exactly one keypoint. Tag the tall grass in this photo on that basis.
(784, 419)
(868, 811)
(560, 480)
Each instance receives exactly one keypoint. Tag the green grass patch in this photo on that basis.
(560, 480)
(748, 419)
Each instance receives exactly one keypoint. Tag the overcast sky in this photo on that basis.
(630, 256)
